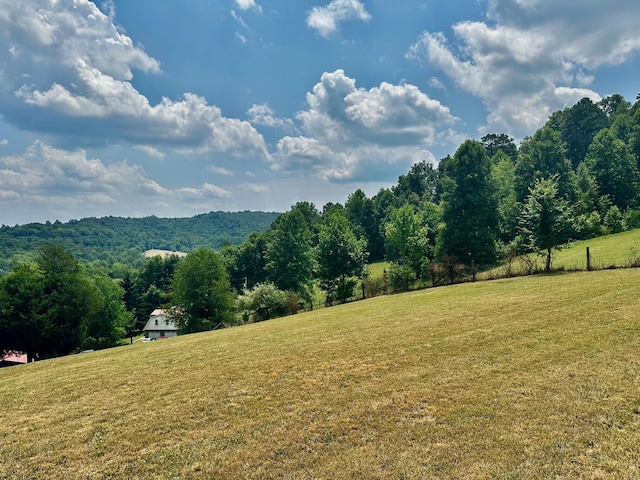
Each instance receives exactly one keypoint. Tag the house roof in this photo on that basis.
(164, 323)
(14, 357)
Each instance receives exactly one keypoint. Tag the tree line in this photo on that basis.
(576, 177)
(115, 243)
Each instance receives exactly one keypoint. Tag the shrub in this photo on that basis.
(401, 277)
(374, 287)
(264, 301)
(614, 221)
(632, 218)
(587, 225)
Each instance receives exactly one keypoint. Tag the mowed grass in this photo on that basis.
(617, 250)
(534, 377)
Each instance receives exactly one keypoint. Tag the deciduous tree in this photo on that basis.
(543, 156)
(201, 292)
(614, 168)
(341, 256)
(406, 238)
(544, 219)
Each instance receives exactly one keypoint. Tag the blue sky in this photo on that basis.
(136, 108)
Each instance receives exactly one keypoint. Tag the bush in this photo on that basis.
(632, 218)
(587, 225)
(294, 303)
(374, 287)
(264, 301)
(614, 221)
(401, 277)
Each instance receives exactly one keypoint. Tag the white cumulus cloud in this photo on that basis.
(220, 171)
(534, 57)
(351, 132)
(151, 151)
(264, 115)
(248, 4)
(69, 71)
(325, 20)
(51, 183)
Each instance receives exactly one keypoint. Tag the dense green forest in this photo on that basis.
(111, 240)
(577, 177)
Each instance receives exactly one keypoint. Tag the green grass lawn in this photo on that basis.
(376, 270)
(618, 250)
(611, 250)
(534, 377)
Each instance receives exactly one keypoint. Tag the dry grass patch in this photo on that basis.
(522, 378)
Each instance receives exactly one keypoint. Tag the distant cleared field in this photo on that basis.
(376, 270)
(533, 377)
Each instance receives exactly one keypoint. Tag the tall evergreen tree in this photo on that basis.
(543, 156)
(470, 211)
(361, 213)
(289, 254)
(355, 210)
(494, 143)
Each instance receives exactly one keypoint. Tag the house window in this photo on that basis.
(156, 322)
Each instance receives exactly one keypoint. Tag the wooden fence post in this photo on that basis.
(588, 259)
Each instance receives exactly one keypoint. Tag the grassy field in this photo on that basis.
(619, 250)
(376, 270)
(534, 377)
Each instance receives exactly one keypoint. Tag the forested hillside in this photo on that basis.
(110, 240)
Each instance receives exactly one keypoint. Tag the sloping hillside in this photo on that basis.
(533, 377)
(607, 251)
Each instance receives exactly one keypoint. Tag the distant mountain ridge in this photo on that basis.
(109, 240)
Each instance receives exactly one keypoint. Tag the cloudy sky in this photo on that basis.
(167, 108)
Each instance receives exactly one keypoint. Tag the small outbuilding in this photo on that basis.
(160, 325)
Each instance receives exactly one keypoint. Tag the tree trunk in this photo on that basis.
(547, 267)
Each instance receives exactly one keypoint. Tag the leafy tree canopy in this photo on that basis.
(340, 254)
(290, 259)
(201, 292)
(545, 218)
(470, 209)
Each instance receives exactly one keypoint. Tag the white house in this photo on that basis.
(160, 325)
